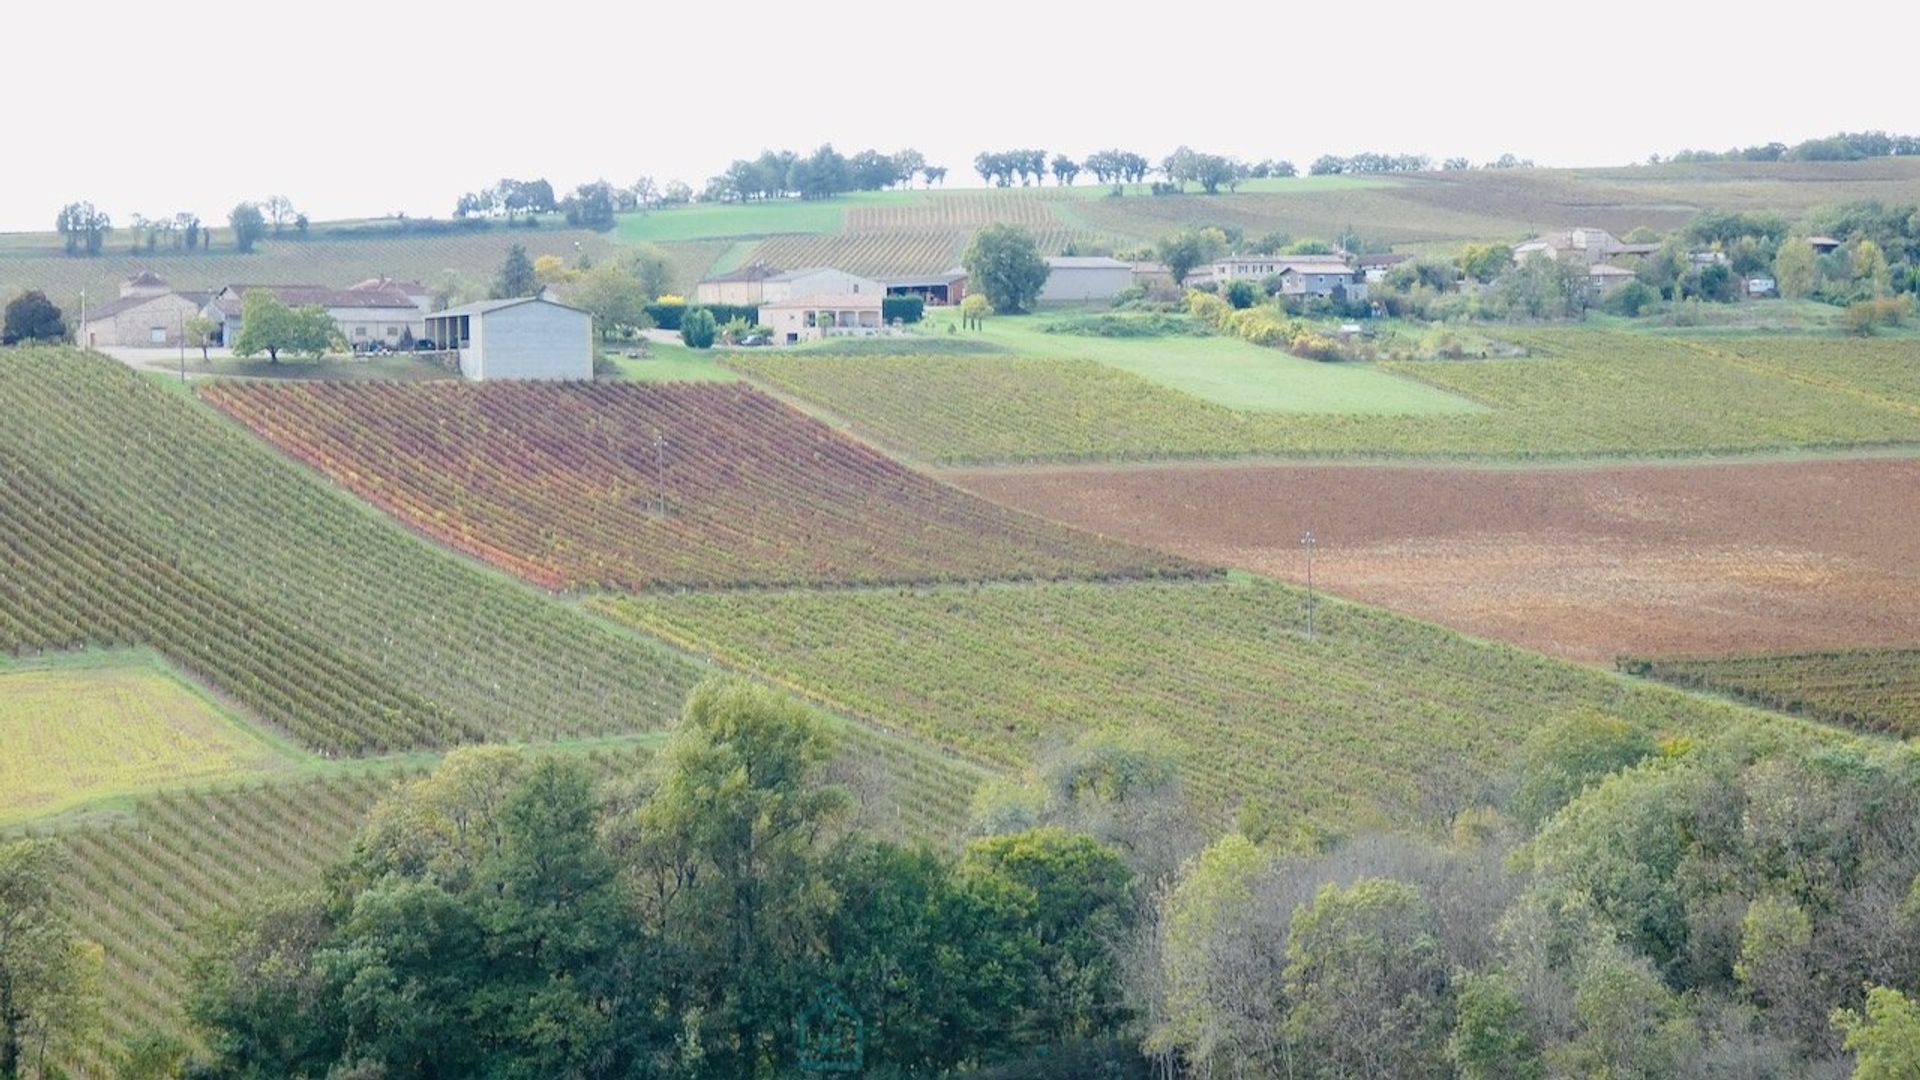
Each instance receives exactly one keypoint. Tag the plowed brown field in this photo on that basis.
(1588, 563)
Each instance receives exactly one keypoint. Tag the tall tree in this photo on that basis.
(517, 277)
(49, 978)
(247, 223)
(32, 317)
(1064, 169)
(1004, 265)
(1795, 268)
(280, 212)
(81, 225)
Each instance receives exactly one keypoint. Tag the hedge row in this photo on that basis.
(668, 316)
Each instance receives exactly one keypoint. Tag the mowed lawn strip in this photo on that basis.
(1377, 719)
(1582, 394)
(75, 730)
(1226, 370)
(632, 486)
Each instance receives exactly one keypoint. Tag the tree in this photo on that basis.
(654, 269)
(49, 978)
(591, 206)
(1185, 250)
(1366, 982)
(698, 329)
(614, 297)
(248, 224)
(1491, 1039)
(32, 317)
(199, 332)
(934, 174)
(1886, 1039)
(726, 851)
(974, 309)
(1243, 293)
(1064, 170)
(1870, 267)
(81, 225)
(551, 270)
(268, 325)
(280, 212)
(1485, 262)
(1794, 268)
(517, 277)
(1004, 264)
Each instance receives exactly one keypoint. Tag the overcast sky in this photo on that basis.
(356, 109)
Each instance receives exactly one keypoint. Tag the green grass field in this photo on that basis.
(1225, 370)
(1582, 394)
(666, 362)
(77, 729)
(1876, 690)
(1378, 719)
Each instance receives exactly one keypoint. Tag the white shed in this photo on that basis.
(1080, 278)
(817, 281)
(528, 338)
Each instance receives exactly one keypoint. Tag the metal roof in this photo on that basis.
(483, 307)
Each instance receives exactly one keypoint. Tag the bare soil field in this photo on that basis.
(1586, 563)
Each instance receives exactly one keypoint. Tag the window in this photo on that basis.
(157, 335)
(359, 331)
(393, 331)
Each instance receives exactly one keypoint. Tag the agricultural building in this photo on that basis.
(147, 312)
(528, 338)
(936, 289)
(1081, 278)
(744, 287)
(809, 318)
(363, 315)
(819, 281)
(1322, 279)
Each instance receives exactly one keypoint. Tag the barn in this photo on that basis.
(1082, 278)
(528, 338)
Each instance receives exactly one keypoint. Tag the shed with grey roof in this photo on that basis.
(528, 338)
(1080, 279)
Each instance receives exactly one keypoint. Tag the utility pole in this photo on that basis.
(1307, 542)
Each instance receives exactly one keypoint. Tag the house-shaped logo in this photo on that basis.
(833, 1038)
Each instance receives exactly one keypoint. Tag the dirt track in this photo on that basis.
(1588, 563)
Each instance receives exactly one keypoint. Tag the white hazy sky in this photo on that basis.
(353, 108)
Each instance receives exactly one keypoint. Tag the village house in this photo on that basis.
(1586, 245)
(363, 316)
(1258, 268)
(809, 318)
(1153, 277)
(147, 312)
(1084, 278)
(1373, 267)
(937, 290)
(744, 287)
(1604, 278)
(1323, 279)
(528, 338)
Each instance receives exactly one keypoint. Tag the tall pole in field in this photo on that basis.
(1307, 542)
(660, 469)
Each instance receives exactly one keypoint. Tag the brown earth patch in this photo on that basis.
(1587, 563)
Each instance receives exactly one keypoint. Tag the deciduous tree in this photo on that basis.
(49, 978)
(1004, 264)
(32, 317)
(247, 223)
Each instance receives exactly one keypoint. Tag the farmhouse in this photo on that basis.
(809, 318)
(1323, 279)
(1258, 268)
(818, 281)
(1152, 276)
(147, 312)
(528, 338)
(363, 316)
(1603, 278)
(1373, 267)
(936, 289)
(1079, 278)
(1585, 245)
(744, 287)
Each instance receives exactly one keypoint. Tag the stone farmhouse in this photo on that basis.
(147, 312)
(372, 311)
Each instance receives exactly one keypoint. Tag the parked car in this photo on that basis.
(756, 339)
(423, 345)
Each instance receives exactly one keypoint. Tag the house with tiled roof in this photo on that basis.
(147, 312)
(363, 315)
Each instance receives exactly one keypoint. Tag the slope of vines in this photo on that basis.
(564, 485)
(131, 515)
(1869, 689)
(1377, 718)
